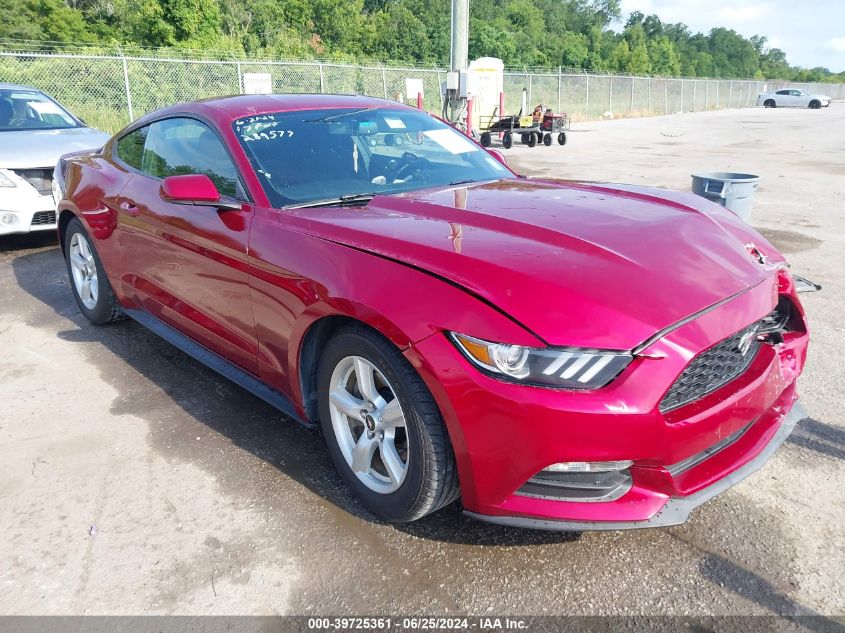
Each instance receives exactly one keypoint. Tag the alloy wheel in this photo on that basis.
(84, 270)
(369, 424)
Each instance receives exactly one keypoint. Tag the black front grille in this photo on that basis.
(713, 369)
(43, 217)
(40, 178)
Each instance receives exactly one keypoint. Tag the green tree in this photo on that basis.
(619, 57)
(50, 20)
(664, 58)
(639, 62)
(579, 34)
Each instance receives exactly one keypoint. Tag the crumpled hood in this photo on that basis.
(591, 265)
(42, 148)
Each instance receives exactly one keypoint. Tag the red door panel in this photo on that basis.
(190, 268)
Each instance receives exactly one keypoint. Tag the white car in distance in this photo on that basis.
(792, 98)
(34, 132)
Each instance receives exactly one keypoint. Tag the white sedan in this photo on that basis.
(792, 98)
(34, 132)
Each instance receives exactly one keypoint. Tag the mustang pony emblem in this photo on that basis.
(745, 341)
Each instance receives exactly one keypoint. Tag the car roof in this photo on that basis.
(226, 109)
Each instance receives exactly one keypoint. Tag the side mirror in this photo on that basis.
(196, 189)
(498, 156)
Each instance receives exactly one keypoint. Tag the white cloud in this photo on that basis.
(743, 13)
(774, 42)
(835, 44)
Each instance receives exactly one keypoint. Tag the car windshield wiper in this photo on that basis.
(353, 199)
(462, 182)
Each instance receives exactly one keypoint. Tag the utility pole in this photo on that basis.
(456, 89)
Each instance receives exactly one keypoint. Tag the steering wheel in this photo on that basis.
(409, 167)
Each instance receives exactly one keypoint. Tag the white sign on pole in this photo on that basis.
(258, 83)
(413, 87)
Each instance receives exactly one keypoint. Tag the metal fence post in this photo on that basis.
(694, 100)
(717, 95)
(559, 80)
(322, 85)
(126, 87)
(610, 96)
(587, 99)
(665, 96)
(650, 110)
(683, 81)
(240, 77)
(384, 81)
(530, 100)
(633, 83)
(440, 79)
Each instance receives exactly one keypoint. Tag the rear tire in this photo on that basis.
(88, 280)
(769, 103)
(547, 140)
(532, 140)
(507, 140)
(382, 427)
(561, 138)
(486, 139)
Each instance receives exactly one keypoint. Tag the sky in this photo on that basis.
(812, 32)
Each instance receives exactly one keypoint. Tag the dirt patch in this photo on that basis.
(790, 241)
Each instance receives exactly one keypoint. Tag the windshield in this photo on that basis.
(313, 155)
(31, 110)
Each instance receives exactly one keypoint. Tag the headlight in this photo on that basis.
(566, 368)
(5, 181)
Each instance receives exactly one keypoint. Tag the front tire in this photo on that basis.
(382, 427)
(88, 280)
(769, 103)
(815, 104)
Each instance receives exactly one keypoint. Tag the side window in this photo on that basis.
(185, 146)
(130, 148)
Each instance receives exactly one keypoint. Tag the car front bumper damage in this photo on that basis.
(677, 509)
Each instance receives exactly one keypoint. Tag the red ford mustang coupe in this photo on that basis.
(560, 355)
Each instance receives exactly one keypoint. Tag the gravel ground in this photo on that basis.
(135, 481)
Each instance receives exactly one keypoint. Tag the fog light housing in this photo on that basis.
(8, 219)
(586, 482)
(588, 467)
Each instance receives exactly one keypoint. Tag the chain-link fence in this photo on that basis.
(109, 91)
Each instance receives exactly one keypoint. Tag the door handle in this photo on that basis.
(130, 208)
